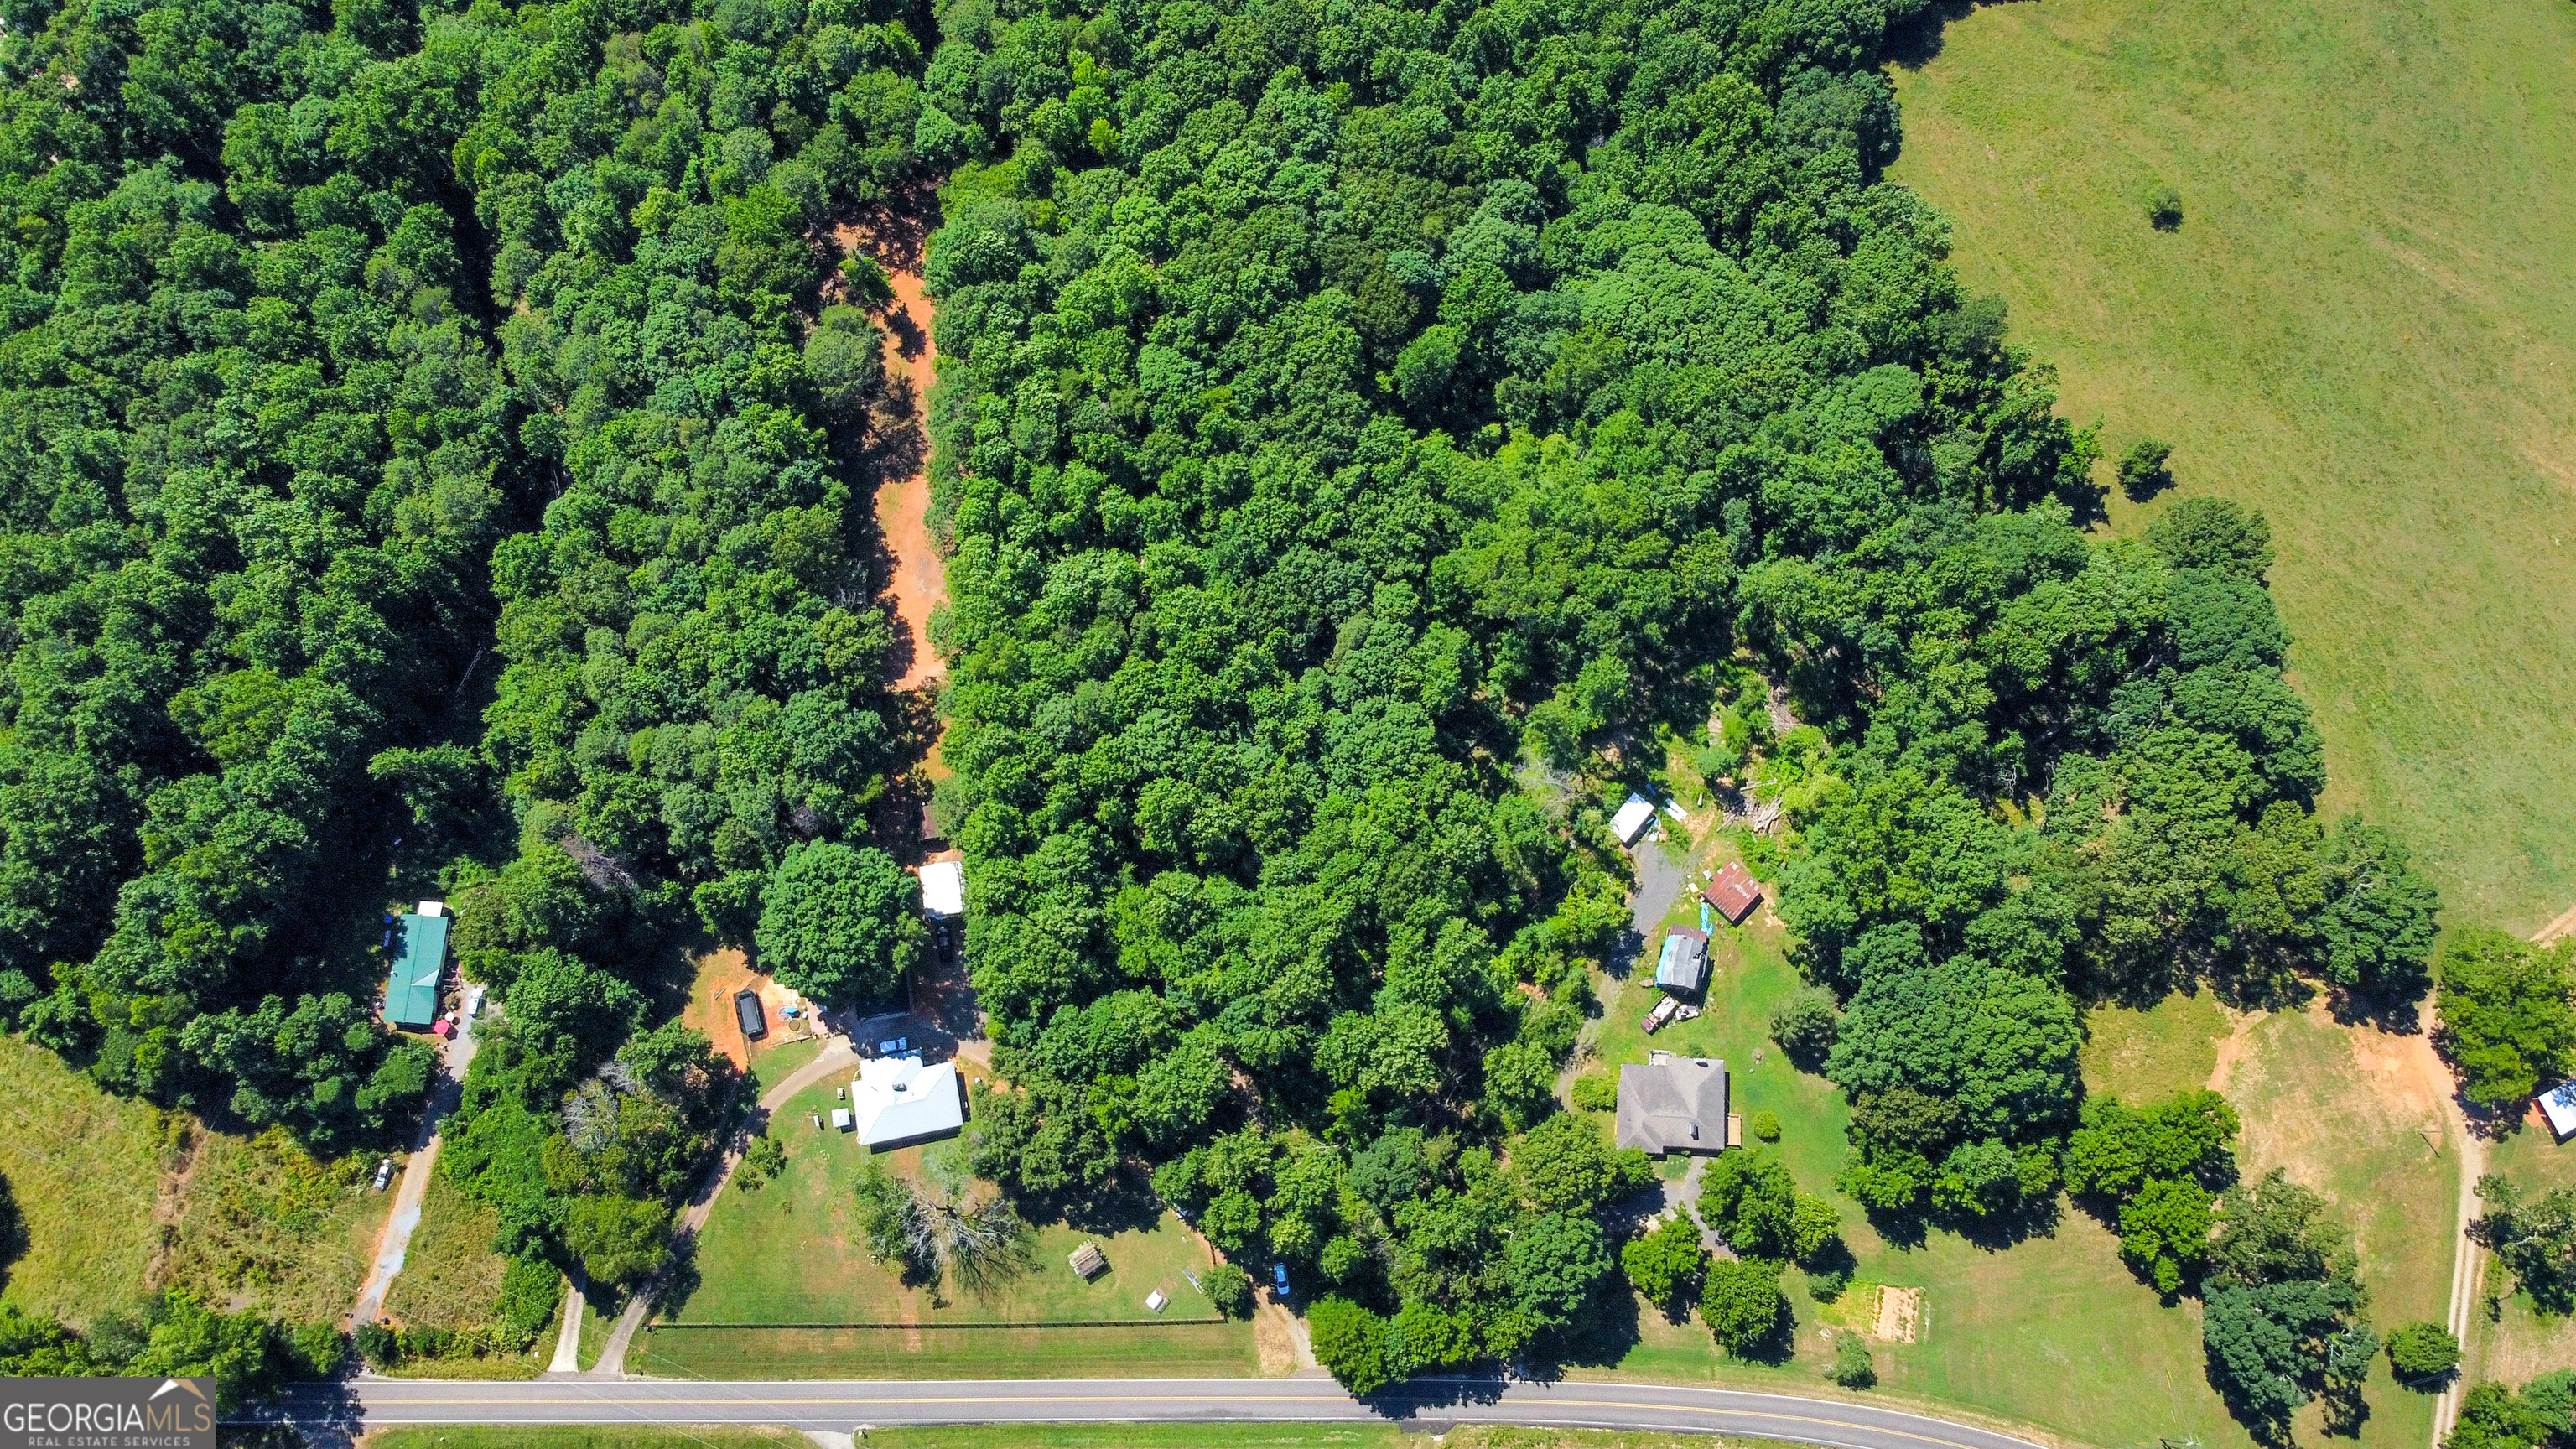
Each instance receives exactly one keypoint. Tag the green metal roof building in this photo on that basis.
(420, 957)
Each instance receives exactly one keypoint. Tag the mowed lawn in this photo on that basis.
(2365, 326)
(2055, 1330)
(2521, 1344)
(785, 1288)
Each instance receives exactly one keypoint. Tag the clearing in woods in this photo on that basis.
(2365, 326)
(120, 1200)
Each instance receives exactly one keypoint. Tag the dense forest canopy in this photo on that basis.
(1355, 416)
(346, 348)
(1364, 430)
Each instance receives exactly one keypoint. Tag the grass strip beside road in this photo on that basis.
(1013, 1351)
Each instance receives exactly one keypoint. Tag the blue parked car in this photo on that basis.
(1279, 1278)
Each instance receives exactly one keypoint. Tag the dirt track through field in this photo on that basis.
(2564, 926)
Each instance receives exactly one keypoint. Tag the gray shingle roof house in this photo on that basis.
(1673, 1104)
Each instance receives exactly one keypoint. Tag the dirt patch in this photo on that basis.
(2565, 925)
(912, 577)
(2231, 1049)
(721, 976)
(1900, 1315)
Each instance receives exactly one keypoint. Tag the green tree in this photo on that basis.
(2422, 1355)
(1666, 1264)
(2164, 1231)
(1804, 1024)
(2541, 1416)
(2508, 1014)
(1568, 1165)
(1750, 1198)
(2119, 1149)
(2142, 469)
(1228, 1289)
(839, 923)
(1743, 1304)
(2535, 1239)
(620, 1241)
(1556, 1262)
(1350, 1342)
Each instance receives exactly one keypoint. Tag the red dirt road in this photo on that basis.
(918, 578)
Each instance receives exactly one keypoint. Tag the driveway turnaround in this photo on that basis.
(374, 1403)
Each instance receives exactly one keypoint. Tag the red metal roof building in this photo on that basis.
(1734, 893)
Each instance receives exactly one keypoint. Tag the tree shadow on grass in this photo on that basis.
(1996, 1232)
(1126, 1205)
(1599, 1339)
(1916, 43)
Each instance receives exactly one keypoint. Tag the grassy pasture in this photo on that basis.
(790, 1253)
(2365, 326)
(120, 1199)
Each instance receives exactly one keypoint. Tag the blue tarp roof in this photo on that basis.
(420, 955)
(1684, 963)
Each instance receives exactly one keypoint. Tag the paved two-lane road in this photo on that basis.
(841, 1407)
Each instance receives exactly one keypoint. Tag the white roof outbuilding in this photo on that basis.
(943, 888)
(1632, 819)
(2559, 1106)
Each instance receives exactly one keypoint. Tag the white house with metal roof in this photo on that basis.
(898, 1101)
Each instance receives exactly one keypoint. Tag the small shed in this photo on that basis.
(420, 961)
(1155, 1300)
(1088, 1262)
(841, 1120)
(1632, 819)
(755, 1020)
(1734, 893)
(1683, 966)
(2559, 1107)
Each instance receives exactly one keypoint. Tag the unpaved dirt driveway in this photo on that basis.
(916, 577)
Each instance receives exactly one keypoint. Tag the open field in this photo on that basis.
(2365, 326)
(451, 1278)
(791, 1253)
(121, 1199)
(262, 1220)
(86, 1170)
